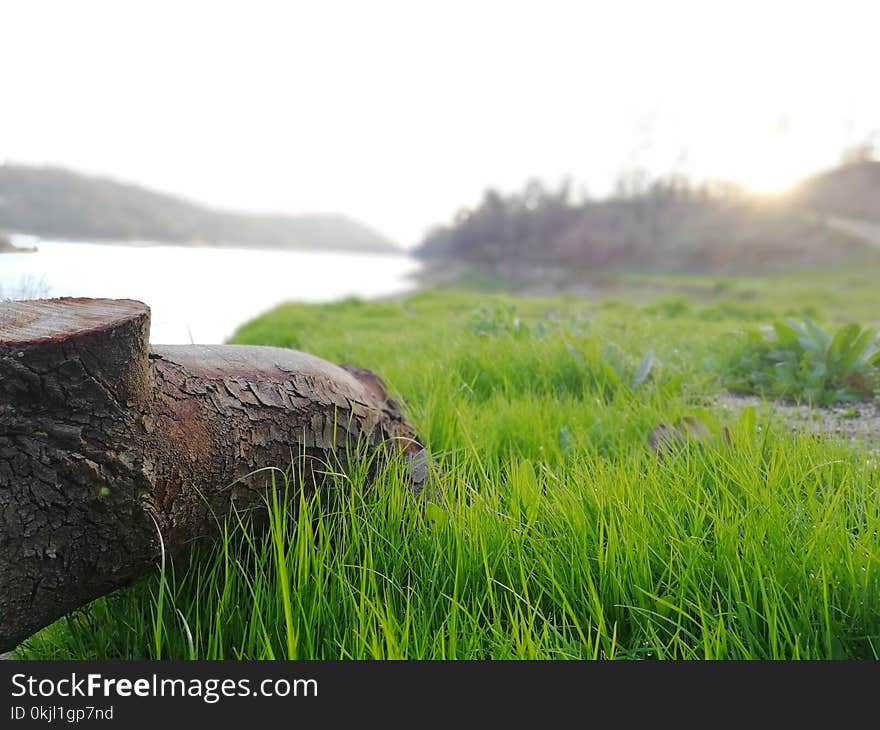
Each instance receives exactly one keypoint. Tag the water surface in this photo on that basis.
(198, 294)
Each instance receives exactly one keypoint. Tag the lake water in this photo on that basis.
(199, 294)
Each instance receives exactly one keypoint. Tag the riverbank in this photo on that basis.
(6, 246)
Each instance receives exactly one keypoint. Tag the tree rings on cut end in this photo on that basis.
(48, 320)
(93, 350)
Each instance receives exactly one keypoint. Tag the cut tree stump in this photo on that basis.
(106, 442)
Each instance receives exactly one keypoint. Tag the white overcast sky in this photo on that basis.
(399, 113)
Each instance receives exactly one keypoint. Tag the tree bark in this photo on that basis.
(105, 443)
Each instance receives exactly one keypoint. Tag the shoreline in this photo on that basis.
(9, 247)
(200, 245)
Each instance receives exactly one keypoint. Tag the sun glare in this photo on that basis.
(774, 169)
(770, 180)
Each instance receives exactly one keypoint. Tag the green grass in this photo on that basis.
(562, 534)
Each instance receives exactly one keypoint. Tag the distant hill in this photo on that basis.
(57, 203)
(669, 226)
(850, 191)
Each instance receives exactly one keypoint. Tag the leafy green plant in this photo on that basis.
(628, 373)
(801, 361)
(495, 320)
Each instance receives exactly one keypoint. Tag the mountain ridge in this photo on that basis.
(670, 225)
(850, 190)
(54, 202)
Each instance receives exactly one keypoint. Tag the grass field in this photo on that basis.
(563, 534)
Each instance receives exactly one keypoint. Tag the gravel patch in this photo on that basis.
(857, 422)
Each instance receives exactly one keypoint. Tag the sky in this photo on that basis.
(400, 113)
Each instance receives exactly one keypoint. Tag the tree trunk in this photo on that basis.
(104, 441)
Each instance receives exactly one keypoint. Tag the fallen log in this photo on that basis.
(106, 443)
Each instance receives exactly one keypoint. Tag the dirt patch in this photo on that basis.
(857, 422)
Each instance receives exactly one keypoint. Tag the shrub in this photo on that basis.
(801, 361)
